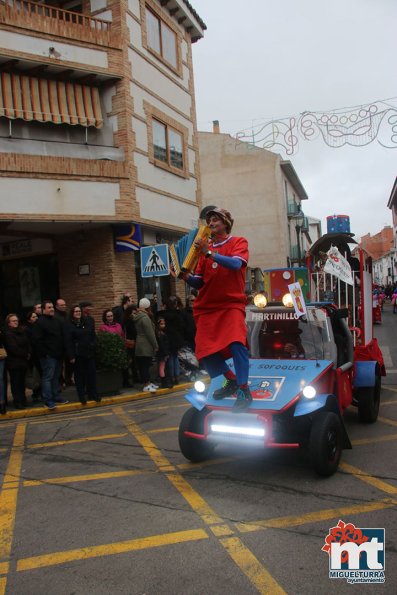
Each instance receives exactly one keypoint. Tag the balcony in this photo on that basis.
(36, 16)
(294, 253)
(305, 224)
(292, 208)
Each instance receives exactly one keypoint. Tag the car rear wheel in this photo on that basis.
(194, 449)
(325, 444)
(368, 401)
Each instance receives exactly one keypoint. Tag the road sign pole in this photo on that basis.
(158, 293)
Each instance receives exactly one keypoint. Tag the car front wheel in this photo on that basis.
(325, 444)
(194, 449)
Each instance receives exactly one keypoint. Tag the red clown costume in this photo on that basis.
(219, 309)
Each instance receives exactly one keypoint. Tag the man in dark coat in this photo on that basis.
(49, 344)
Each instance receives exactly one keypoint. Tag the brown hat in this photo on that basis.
(224, 215)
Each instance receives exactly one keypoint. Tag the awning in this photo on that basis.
(30, 98)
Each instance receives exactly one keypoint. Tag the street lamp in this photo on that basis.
(299, 219)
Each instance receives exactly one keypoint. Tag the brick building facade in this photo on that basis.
(97, 128)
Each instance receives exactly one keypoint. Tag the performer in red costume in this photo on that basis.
(219, 309)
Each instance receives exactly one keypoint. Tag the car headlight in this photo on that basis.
(287, 300)
(199, 386)
(309, 392)
(260, 300)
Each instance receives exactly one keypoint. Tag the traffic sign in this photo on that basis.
(155, 261)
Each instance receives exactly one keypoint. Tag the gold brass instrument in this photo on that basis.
(184, 255)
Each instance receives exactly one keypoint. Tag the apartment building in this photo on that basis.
(265, 196)
(97, 130)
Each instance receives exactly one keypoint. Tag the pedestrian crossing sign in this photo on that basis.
(155, 261)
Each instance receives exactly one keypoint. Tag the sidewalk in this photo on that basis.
(69, 393)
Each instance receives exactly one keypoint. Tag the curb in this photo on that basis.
(77, 406)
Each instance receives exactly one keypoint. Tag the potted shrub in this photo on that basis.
(111, 359)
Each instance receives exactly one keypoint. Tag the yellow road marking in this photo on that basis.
(161, 430)
(221, 530)
(77, 478)
(151, 449)
(389, 402)
(8, 500)
(374, 440)
(389, 422)
(198, 504)
(251, 566)
(184, 488)
(77, 440)
(110, 549)
(239, 553)
(313, 517)
(4, 566)
(370, 479)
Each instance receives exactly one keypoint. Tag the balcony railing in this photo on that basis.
(50, 19)
(294, 253)
(292, 208)
(305, 224)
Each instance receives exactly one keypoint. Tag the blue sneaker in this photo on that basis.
(243, 399)
(50, 405)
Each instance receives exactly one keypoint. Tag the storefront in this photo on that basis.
(28, 274)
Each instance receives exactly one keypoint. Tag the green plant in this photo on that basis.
(110, 352)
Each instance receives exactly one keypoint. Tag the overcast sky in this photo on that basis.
(262, 60)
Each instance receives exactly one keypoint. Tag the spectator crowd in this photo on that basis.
(54, 346)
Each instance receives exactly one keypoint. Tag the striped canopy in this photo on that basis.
(30, 98)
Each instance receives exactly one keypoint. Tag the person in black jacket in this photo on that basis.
(18, 349)
(189, 324)
(34, 368)
(174, 331)
(49, 344)
(163, 352)
(80, 348)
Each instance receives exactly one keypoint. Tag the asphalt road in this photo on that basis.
(103, 502)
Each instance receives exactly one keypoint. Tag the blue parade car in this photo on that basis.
(303, 374)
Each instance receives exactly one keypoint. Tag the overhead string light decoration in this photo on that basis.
(355, 126)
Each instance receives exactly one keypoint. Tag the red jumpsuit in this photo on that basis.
(219, 309)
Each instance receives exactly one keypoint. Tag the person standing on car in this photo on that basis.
(219, 309)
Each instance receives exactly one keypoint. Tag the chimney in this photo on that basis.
(215, 127)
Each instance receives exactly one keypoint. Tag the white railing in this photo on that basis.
(325, 287)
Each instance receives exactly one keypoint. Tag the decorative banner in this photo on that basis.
(355, 126)
(298, 300)
(127, 237)
(337, 265)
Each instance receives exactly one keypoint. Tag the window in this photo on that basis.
(167, 144)
(161, 39)
(167, 141)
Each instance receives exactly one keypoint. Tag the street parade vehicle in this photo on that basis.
(305, 370)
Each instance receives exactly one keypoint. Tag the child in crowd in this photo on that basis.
(163, 352)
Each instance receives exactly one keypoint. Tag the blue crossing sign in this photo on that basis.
(155, 261)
